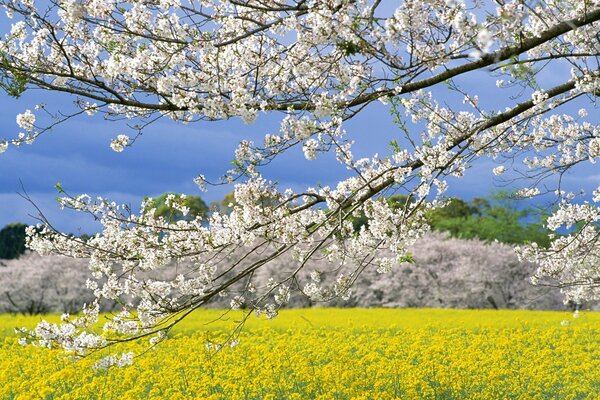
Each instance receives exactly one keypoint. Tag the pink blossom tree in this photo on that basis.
(37, 285)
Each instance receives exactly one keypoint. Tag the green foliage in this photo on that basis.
(224, 206)
(348, 48)
(399, 201)
(197, 206)
(12, 81)
(456, 208)
(12, 241)
(488, 219)
(497, 218)
(395, 147)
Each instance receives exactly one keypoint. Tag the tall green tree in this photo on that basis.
(495, 218)
(12, 241)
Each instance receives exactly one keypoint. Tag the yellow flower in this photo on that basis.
(344, 353)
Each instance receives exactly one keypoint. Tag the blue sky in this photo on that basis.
(169, 155)
(166, 158)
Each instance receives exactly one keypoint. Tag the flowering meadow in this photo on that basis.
(329, 354)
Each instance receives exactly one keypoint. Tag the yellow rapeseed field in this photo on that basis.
(330, 354)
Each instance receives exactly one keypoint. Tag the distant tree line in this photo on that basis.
(496, 218)
(436, 277)
(445, 272)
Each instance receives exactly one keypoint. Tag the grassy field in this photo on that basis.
(331, 354)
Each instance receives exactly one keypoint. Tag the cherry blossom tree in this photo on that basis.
(317, 64)
(37, 285)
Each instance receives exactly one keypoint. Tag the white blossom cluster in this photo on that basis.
(572, 260)
(118, 144)
(111, 361)
(318, 64)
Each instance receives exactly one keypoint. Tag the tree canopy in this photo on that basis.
(317, 64)
(188, 207)
(12, 241)
(497, 220)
